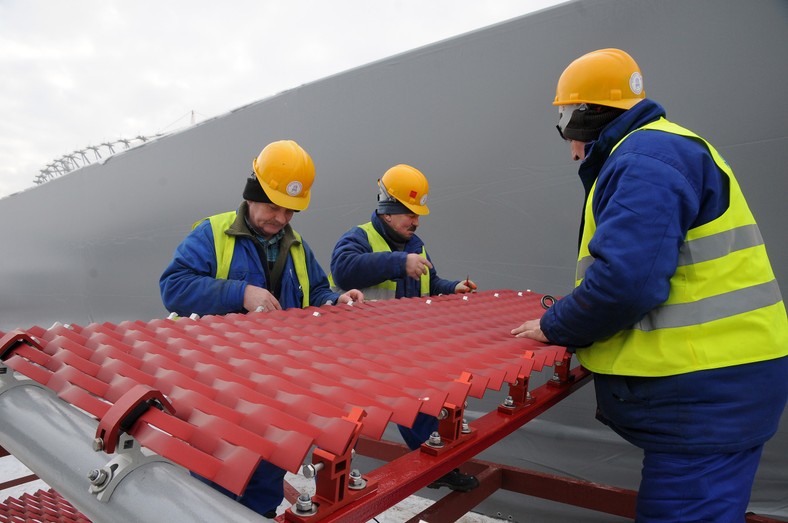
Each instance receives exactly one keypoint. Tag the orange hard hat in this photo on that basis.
(607, 77)
(286, 173)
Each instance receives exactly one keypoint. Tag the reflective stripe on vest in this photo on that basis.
(224, 244)
(388, 289)
(724, 307)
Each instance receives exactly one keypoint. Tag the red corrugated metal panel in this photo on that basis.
(39, 507)
(272, 385)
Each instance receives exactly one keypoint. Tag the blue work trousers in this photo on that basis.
(423, 426)
(265, 491)
(707, 488)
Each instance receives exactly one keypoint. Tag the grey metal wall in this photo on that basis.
(473, 113)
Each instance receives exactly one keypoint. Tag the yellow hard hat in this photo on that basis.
(408, 186)
(607, 77)
(286, 173)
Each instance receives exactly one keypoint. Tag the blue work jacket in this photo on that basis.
(189, 284)
(355, 266)
(649, 192)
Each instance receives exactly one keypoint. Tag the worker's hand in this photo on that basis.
(416, 265)
(530, 329)
(465, 286)
(352, 296)
(257, 299)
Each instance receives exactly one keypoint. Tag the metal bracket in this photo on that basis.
(11, 341)
(105, 480)
(519, 396)
(125, 412)
(563, 372)
(336, 484)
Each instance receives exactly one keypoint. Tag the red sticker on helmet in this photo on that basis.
(413, 194)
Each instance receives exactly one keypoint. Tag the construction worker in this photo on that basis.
(676, 309)
(253, 260)
(385, 259)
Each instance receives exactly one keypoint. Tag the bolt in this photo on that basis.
(465, 427)
(435, 440)
(310, 470)
(98, 477)
(508, 402)
(98, 445)
(355, 477)
(304, 503)
(443, 414)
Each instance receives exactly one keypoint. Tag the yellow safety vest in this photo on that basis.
(724, 306)
(225, 246)
(388, 289)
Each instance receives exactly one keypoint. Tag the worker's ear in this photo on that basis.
(386, 218)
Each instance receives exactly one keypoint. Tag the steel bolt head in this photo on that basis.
(304, 503)
(355, 477)
(98, 476)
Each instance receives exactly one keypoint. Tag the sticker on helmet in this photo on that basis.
(294, 188)
(423, 200)
(636, 82)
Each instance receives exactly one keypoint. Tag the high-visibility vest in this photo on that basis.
(225, 246)
(387, 290)
(724, 307)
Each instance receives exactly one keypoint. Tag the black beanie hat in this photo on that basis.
(586, 124)
(254, 191)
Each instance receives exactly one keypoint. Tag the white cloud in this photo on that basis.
(88, 71)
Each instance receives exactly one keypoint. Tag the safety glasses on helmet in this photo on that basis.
(565, 113)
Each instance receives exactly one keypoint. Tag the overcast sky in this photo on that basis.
(86, 72)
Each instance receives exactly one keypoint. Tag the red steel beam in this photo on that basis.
(494, 476)
(18, 481)
(407, 474)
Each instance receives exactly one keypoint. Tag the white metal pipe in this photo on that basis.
(54, 440)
